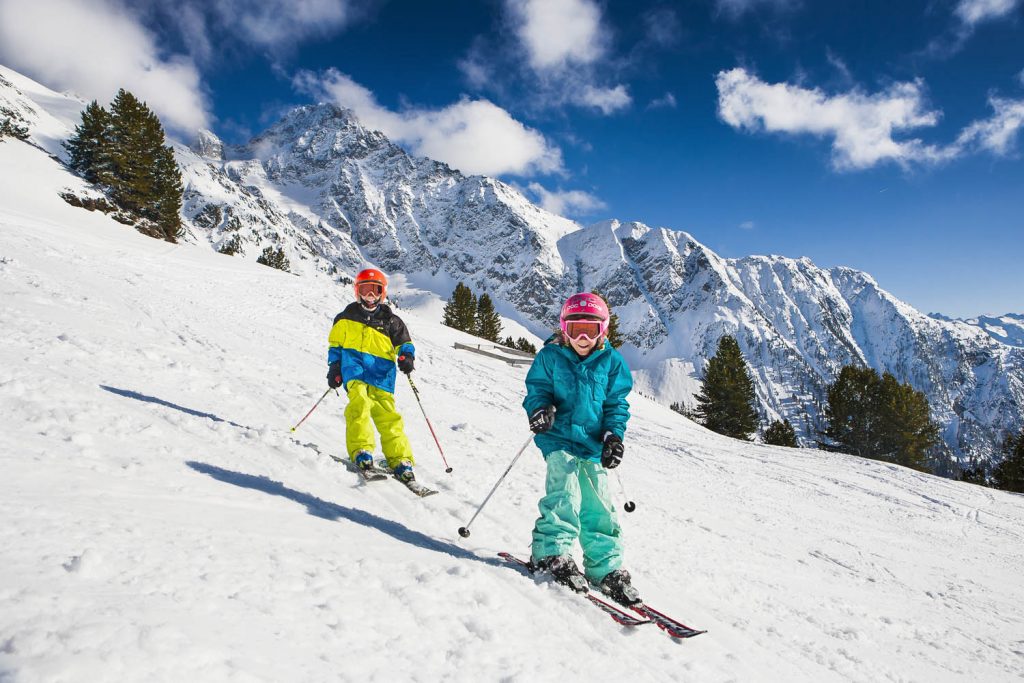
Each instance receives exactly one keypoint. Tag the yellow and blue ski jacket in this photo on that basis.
(589, 395)
(367, 344)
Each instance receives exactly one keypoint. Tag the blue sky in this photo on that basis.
(884, 136)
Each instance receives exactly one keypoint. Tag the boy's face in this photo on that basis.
(369, 294)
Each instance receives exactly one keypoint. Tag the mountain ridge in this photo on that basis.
(335, 195)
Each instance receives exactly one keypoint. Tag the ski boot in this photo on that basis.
(364, 460)
(404, 472)
(617, 586)
(564, 570)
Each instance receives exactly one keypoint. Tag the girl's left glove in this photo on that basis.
(611, 454)
(405, 363)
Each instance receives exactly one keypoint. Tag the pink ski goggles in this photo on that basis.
(588, 328)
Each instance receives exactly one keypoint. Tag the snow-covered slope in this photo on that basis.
(335, 195)
(161, 523)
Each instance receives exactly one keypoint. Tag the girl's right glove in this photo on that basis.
(542, 420)
(611, 454)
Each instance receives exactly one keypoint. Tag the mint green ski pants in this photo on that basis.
(577, 503)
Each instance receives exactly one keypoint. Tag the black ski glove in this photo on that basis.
(542, 420)
(334, 375)
(611, 454)
(405, 363)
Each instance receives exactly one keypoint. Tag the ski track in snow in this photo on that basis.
(162, 523)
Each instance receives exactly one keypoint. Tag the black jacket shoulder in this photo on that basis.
(382, 319)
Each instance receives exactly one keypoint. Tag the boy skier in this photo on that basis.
(365, 341)
(576, 400)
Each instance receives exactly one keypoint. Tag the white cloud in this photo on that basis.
(862, 127)
(998, 133)
(736, 8)
(559, 33)
(973, 12)
(666, 101)
(608, 100)
(567, 203)
(474, 136)
(564, 45)
(282, 23)
(747, 225)
(95, 48)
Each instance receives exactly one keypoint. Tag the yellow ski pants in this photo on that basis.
(366, 402)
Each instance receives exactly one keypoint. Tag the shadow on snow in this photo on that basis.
(159, 401)
(332, 511)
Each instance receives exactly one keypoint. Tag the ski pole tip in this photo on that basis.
(448, 471)
(629, 506)
(464, 532)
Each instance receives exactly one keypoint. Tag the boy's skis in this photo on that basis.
(649, 615)
(379, 471)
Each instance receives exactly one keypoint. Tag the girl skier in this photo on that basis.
(576, 400)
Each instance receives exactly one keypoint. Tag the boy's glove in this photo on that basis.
(542, 420)
(405, 363)
(611, 454)
(334, 375)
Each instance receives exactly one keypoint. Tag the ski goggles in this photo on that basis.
(368, 288)
(591, 329)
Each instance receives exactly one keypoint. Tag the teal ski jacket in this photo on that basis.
(589, 395)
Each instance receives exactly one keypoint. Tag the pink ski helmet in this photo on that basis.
(584, 306)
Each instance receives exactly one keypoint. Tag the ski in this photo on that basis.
(414, 486)
(369, 474)
(621, 617)
(674, 628)
(417, 488)
(380, 471)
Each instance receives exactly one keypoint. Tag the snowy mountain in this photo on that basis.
(1006, 329)
(162, 523)
(335, 196)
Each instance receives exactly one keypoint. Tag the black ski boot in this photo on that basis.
(616, 585)
(564, 571)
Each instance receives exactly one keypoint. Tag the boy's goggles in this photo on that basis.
(591, 329)
(368, 288)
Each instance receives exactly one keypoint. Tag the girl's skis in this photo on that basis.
(620, 616)
(674, 628)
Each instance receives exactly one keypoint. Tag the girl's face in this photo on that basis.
(583, 345)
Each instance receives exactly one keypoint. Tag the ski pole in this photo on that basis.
(430, 426)
(464, 530)
(630, 505)
(312, 409)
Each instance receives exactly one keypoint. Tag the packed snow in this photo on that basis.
(162, 523)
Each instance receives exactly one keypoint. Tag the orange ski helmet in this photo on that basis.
(373, 276)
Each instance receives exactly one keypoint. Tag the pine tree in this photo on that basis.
(123, 152)
(727, 403)
(523, 344)
(89, 148)
(879, 418)
(907, 432)
(612, 335)
(275, 258)
(460, 311)
(509, 342)
(488, 322)
(1008, 475)
(780, 434)
(166, 205)
(852, 424)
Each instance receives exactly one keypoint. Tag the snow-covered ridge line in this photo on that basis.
(335, 196)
